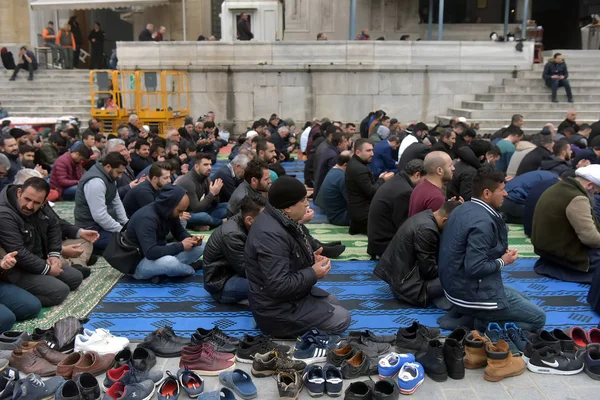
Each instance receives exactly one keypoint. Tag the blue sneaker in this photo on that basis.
(494, 332)
(169, 388)
(391, 364)
(410, 377)
(310, 351)
(517, 336)
(32, 387)
(330, 340)
(314, 380)
(334, 382)
(191, 382)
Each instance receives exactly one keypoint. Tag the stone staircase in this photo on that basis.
(52, 94)
(528, 95)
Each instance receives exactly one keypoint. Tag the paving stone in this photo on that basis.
(462, 394)
(526, 394)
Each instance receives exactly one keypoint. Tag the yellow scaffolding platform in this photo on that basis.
(160, 99)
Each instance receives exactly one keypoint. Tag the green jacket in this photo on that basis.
(565, 225)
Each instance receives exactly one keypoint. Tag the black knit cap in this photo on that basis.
(285, 192)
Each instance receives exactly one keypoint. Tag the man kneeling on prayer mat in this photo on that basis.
(566, 232)
(282, 269)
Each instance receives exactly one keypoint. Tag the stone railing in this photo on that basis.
(326, 55)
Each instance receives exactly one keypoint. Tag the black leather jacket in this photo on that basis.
(410, 260)
(224, 255)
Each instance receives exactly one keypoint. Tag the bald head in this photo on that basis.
(572, 115)
(438, 166)
(435, 160)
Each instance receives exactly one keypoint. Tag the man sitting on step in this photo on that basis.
(556, 75)
(224, 260)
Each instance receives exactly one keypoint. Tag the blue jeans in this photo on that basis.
(520, 310)
(235, 290)
(102, 242)
(16, 304)
(213, 217)
(69, 193)
(554, 84)
(178, 265)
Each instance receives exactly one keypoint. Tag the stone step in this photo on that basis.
(540, 89)
(585, 75)
(39, 107)
(521, 106)
(23, 83)
(53, 72)
(583, 67)
(47, 98)
(80, 116)
(528, 123)
(539, 97)
(527, 114)
(537, 82)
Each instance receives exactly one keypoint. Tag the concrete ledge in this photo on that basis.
(367, 55)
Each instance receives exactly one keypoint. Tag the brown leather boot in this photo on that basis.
(29, 362)
(475, 356)
(500, 362)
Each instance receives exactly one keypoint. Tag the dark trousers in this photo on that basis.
(554, 84)
(50, 290)
(520, 310)
(102, 242)
(560, 269)
(26, 66)
(76, 54)
(513, 212)
(358, 226)
(97, 59)
(16, 304)
(234, 291)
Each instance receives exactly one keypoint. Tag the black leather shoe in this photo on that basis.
(333, 251)
(386, 389)
(170, 332)
(359, 391)
(218, 344)
(123, 357)
(217, 333)
(88, 386)
(163, 344)
(359, 365)
(414, 338)
(143, 359)
(433, 361)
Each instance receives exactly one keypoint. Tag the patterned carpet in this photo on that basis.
(134, 309)
(103, 278)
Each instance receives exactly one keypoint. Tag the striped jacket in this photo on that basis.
(470, 264)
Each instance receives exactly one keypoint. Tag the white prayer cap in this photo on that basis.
(146, 128)
(462, 119)
(590, 173)
(251, 134)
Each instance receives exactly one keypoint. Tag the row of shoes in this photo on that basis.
(60, 337)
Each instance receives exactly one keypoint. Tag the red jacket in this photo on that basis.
(65, 173)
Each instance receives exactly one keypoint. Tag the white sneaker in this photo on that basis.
(102, 344)
(103, 332)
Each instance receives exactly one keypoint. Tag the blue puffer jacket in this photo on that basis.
(518, 188)
(470, 265)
